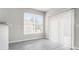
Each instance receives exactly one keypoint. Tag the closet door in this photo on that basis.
(64, 20)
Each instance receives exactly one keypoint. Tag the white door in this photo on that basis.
(60, 28)
(65, 24)
(3, 37)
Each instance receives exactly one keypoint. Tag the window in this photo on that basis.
(33, 23)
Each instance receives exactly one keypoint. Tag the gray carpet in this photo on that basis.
(41, 44)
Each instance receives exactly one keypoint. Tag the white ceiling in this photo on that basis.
(43, 9)
(47, 9)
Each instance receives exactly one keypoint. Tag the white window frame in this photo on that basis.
(34, 16)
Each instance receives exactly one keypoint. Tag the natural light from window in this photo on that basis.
(33, 23)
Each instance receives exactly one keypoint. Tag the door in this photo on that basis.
(65, 25)
(3, 37)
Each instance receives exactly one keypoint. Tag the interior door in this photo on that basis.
(64, 20)
(3, 37)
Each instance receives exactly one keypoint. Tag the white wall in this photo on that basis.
(54, 12)
(60, 30)
(50, 13)
(76, 28)
(15, 19)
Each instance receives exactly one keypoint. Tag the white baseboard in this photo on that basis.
(24, 40)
